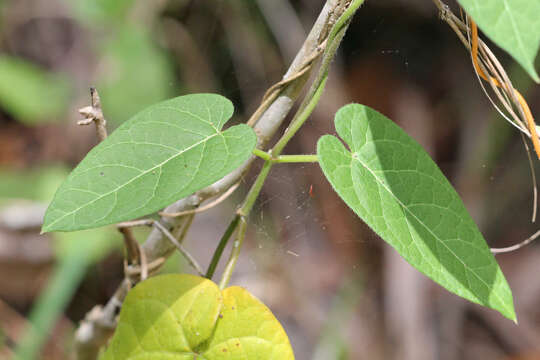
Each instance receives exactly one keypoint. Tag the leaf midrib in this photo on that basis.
(134, 178)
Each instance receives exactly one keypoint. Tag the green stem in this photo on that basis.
(262, 154)
(345, 18)
(255, 190)
(312, 99)
(299, 120)
(285, 158)
(221, 246)
(296, 159)
(235, 253)
(306, 108)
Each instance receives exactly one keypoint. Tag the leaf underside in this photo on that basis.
(162, 154)
(389, 181)
(514, 25)
(187, 317)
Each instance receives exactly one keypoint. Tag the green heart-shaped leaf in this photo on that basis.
(514, 25)
(187, 317)
(388, 180)
(162, 154)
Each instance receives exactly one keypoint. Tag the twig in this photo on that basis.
(152, 267)
(144, 263)
(136, 263)
(149, 222)
(132, 250)
(191, 260)
(271, 94)
(216, 202)
(94, 114)
(98, 325)
(517, 246)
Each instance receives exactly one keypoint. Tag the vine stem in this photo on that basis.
(235, 253)
(221, 246)
(285, 158)
(306, 109)
(303, 115)
(312, 99)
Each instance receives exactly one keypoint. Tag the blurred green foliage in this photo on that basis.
(40, 184)
(37, 184)
(92, 11)
(31, 94)
(135, 74)
(75, 252)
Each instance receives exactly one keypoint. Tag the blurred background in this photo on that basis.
(339, 290)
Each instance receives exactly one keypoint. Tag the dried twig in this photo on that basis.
(149, 222)
(135, 256)
(98, 326)
(144, 263)
(271, 94)
(132, 250)
(151, 267)
(94, 114)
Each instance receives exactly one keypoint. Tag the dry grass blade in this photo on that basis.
(487, 67)
(499, 79)
(149, 222)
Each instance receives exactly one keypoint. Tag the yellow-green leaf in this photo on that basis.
(184, 317)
